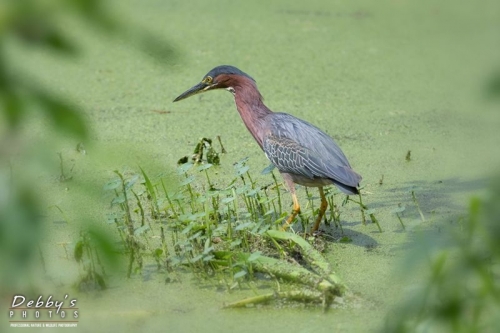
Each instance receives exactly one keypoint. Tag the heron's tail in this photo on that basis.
(349, 190)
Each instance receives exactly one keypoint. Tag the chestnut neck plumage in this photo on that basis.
(250, 106)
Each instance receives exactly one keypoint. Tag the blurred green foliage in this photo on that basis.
(95, 251)
(462, 290)
(20, 224)
(493, 86)
(38, 24)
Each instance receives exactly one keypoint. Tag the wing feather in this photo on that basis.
(298, 147)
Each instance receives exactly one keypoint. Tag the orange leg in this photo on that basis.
(322, 209)
(295, 211)
(296, 205)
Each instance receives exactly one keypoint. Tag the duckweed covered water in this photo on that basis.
(381, 78)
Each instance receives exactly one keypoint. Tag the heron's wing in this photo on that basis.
(304, 149)
(290, 157)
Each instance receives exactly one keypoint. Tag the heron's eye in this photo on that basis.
(207, 80)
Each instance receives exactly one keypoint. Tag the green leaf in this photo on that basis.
(242, 189)
(223, 255)
(158, 252)
(243, 226)
(242, 170)
(227, 200)
(196, 235)
(251, 193)
(240, 274)
(119, 199)
(131, 182)
(78, 252)
(187, 229)
(113, 184)
(141, 230)
(149, 185)
(195, 259)
(235, 243)
(267, 170)
(398, 210)
(182, 169)
(241, 162)
(208, 249)
(269, 212)
(187, 181)
(205, 166)
(254, 256)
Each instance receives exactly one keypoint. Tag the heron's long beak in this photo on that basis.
(199, 88)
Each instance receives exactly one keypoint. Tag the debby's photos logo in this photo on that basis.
(43, 312)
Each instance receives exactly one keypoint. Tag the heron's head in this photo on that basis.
(221, 77)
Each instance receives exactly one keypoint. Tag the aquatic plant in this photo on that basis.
(229, 231)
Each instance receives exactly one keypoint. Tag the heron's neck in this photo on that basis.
(251, 108)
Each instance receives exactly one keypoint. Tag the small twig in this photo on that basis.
(222, 150)
(62, 176)
(418, 206)
(401, 221)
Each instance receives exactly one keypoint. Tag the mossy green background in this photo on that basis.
(380, 77)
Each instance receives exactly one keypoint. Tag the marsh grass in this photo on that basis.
(223, 233)
(364, 211)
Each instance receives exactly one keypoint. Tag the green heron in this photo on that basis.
(302, 153)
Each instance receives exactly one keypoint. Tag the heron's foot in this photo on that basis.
(290, 219)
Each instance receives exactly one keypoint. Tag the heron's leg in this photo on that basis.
(322, 209)
(296, 206)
